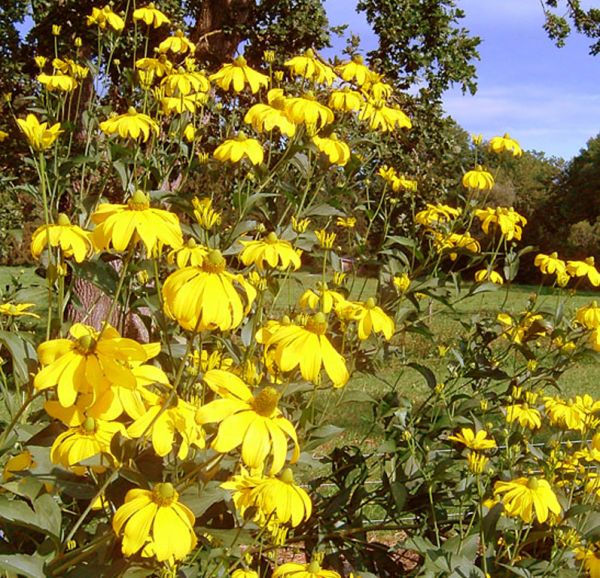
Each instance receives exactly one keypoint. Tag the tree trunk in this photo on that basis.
(215, 30)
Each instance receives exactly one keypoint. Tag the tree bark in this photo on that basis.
(214, 32)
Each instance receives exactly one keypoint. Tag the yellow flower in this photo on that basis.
(456, 241)
(398, 182)
(402, 282)
(77, 444)
(3, 135)
(17, 310)
(474, 441)
(208, 297)
(59, 82)
(130, 124)
(326, 240)
(159, 67)
(189, 254)
(56, 30)
(590, 559)
(550, 264)
(282, 500)
(104, 17)
(507, 219)
(39, 136)
(270, 252)
(72, 240)
(499, 144)
(266, 117)
(150, 16)
(203, 361)
(337, 152)
(307, 347)
(382, 117)
(369, 316)
(252, 421)
(436, 214)
(476, 139)
(487, 275)
(589, 316)
(181, 104)
(528, 417)
(237, 75)
(241, 146)
(89, 364)
(478, 179)
(477, 462)
(309, 66)
(306, 110)
(19, 463)
(376, 88)
(530, 326)
(323, 300)
(119, 225)
(525, 497)
(300, 225)
(346, 222)
(565, 414)
(586, 268)
(157, 521)
(239, 573)
(70, 67)
(40, 61)
(189, 132)
(177, 43)
(346, 100)
(354, 70)
(184, 82)
(296, 570)
(162, 424)
(206, 216)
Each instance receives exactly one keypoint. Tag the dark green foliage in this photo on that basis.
(422, 44)
(561, 15)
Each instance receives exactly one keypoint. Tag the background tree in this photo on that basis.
(558, 25)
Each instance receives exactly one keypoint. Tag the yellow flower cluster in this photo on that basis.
(506, 219)
(564, 271)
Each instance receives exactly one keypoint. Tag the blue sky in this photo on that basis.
(545, 97)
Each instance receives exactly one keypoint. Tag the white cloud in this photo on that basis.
(558, 122)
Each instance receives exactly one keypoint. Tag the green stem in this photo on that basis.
(15, 419)
(83, 516)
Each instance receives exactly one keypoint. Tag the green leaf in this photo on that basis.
(426, 373)
(358, 397)
(23, 565)
(48, 514)
(486, 287)
(490, 521)
(323, 210)
(98, 272)
(200, 500)
(45, 516)
(22, 352)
